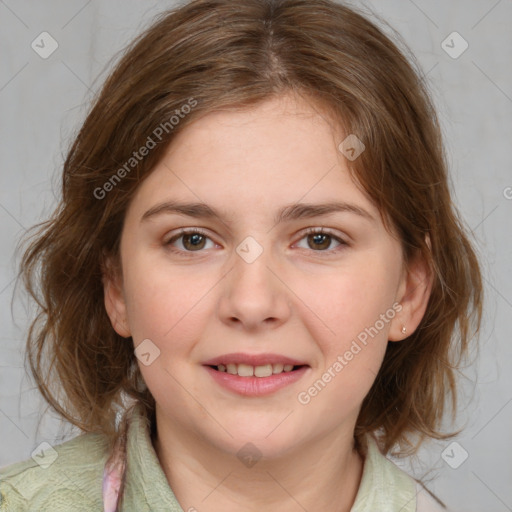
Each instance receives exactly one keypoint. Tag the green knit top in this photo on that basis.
(69, 476)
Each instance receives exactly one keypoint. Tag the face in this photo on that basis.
(251, 288)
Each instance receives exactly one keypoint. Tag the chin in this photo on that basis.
(268, 439)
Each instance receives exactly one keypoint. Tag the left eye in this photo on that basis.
(321, 239)
(195, 239)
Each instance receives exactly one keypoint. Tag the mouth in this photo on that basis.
(247, 370)
(253, 375)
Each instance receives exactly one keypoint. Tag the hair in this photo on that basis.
(221, 55)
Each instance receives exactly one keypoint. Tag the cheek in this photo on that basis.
(164, 301)
(166, 308)
(346, 303)
(350, 330)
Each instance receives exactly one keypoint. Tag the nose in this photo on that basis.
(254, 293)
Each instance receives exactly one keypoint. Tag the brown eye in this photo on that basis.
(319, 240)
(193, 240)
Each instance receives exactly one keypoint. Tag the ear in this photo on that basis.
(115, 303)
(413, 295)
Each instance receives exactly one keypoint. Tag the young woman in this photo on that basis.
(250, 289)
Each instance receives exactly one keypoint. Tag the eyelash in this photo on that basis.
(309, 231)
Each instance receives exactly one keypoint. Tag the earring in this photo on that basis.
(404, 330)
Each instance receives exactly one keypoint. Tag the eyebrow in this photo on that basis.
(289, 212)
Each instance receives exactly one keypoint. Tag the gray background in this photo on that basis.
(42, 102)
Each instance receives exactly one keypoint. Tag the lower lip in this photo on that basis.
(256, 386)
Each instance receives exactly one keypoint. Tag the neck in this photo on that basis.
(324, 475)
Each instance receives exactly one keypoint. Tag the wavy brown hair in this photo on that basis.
(234, 55)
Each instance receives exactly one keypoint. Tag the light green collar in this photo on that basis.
(384, 486)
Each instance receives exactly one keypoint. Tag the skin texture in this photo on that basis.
(303, 297)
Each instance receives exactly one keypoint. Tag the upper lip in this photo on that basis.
(253, 359)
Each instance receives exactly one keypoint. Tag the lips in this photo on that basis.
(255, 374)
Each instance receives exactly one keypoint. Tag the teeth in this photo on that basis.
(246, 370)
(263, 371)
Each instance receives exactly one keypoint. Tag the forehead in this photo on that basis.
(280, 127)
(279, 152)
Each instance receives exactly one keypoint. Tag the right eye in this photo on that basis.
(193, 241)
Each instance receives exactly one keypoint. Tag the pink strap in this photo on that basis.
(113, 475)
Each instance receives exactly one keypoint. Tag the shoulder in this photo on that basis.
(384, 486)
(387, 487)
(57, 477)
